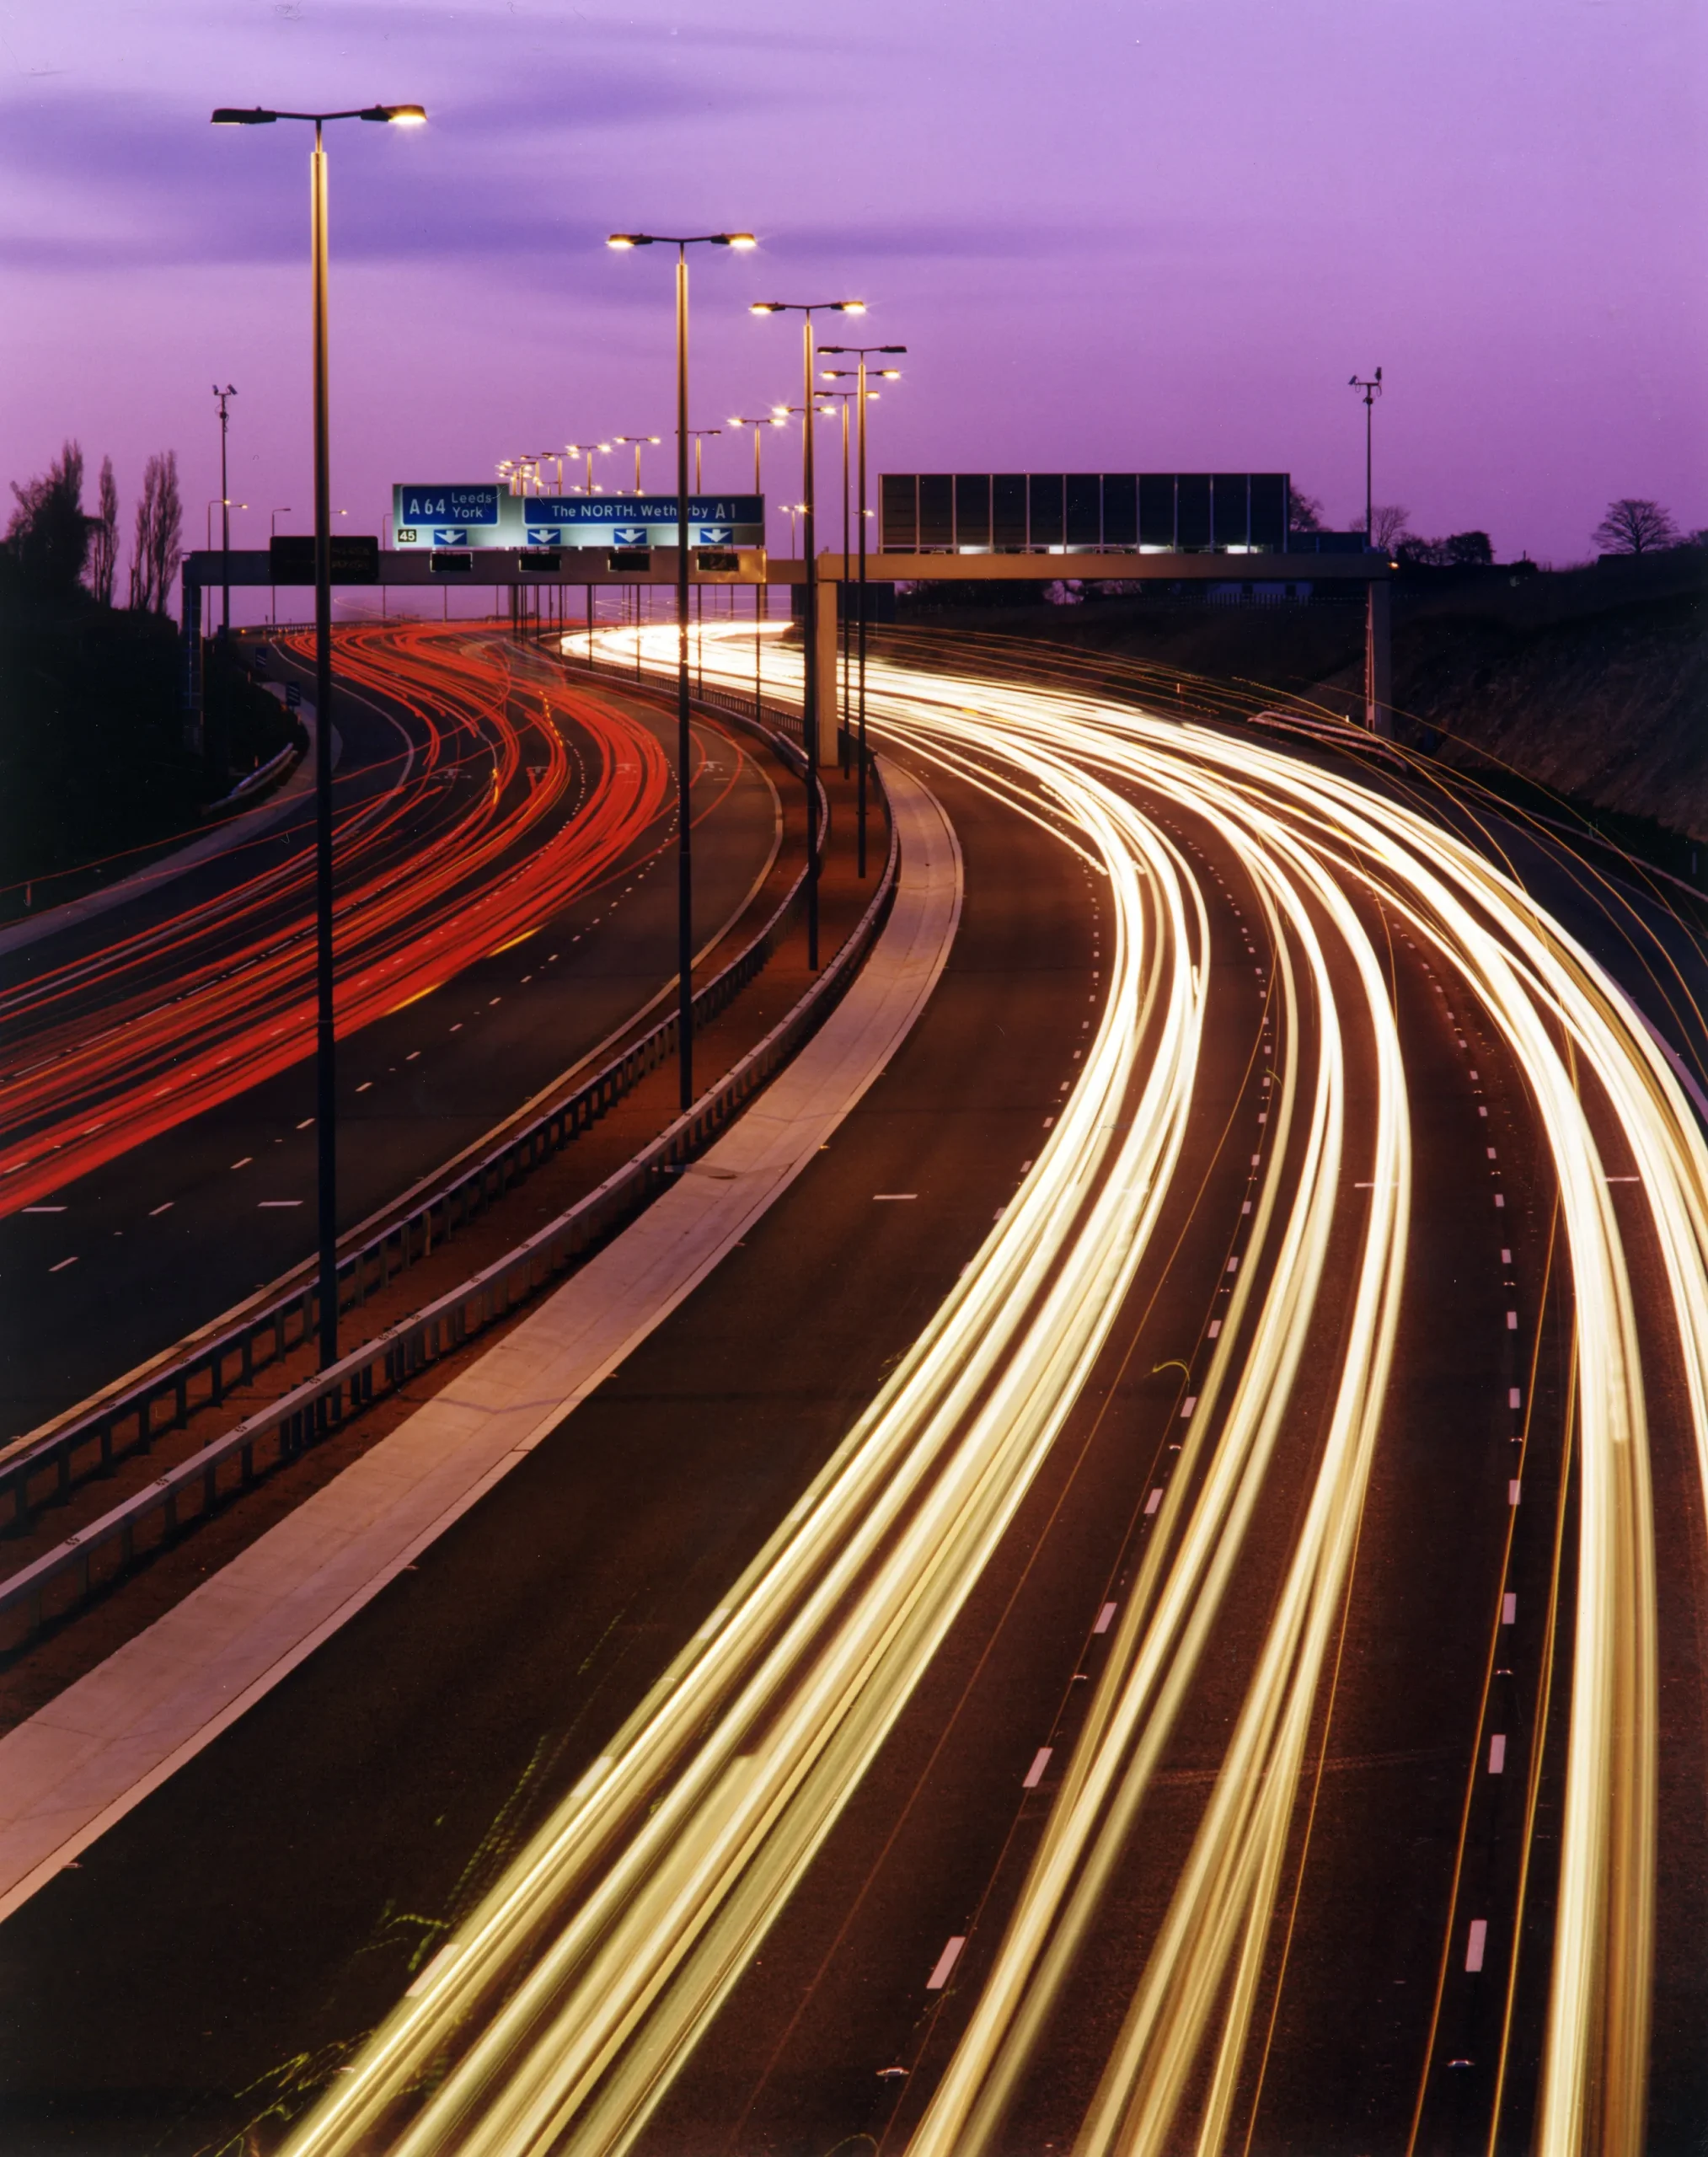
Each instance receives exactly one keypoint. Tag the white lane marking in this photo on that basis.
(1491, 1152)
(44, 1209)
(945, 1962)
(1506, 1258)
(1482, 1111)
(1475, 1944)
(458, 1028)
(1153, 1502)
(1256, 1160)
(1497, 1754)
(62, 1264)
(166, 1208)
(244, 1163)
(412, 1055)
(895, 1196)
(1473, 1074)
(1105, 1618)
(712, 1622)
(1034, 1775)
(364, 1086)
(1499, 1200)
(1246, 1207)
(1621, 1179)
(1515, 1398)
(1513, 1491)
(277, 1202)
(1509, 1609)
(1511, 1321)
(1233, 1265)
(305, 1123)
(1215, 1327)
(1186, 1407)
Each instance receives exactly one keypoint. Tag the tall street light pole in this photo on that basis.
(684, 739)
(325, 1091)
(224, 396)
(1373, 390)
(809, 702)
(885, 374)
(589, 450)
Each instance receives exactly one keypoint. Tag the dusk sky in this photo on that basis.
(1115, 234)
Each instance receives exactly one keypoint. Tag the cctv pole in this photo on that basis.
(224, 511)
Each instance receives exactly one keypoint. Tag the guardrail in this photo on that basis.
(96, 1555)
(129, 1418)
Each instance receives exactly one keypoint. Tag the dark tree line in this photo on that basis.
(53, 546)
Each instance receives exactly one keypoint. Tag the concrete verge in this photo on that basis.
(100, 1748)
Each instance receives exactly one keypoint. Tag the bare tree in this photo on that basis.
(156, 549)
(1304, 512)
(104, 538)
(48, 537)
(1387, 522)
(1631, 526)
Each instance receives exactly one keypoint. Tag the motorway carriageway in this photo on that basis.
(156, 1141)
(1132, 1617)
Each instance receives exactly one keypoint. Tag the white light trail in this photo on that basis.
(578, 1990)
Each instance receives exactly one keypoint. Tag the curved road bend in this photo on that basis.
(360, 1810)
(1042, 1912)
(111, 1264)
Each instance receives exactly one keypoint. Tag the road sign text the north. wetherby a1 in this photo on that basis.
(433, 518)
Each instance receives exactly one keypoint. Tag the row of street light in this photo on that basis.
(520, 473)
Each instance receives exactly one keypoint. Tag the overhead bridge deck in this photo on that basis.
(498, 568)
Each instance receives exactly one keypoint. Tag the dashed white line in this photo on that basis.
(364, 1086)
(244, 1163)
(305, 1123)
(1215, 1327)
(1186, 1407)
(44, 1209)
(1104, 1618)
(1497, 1754)
(1034, 1775)
(278, 1203)
(895, 1197)
(945, 1962)
(1509, 1609)
(1513, 1491)
(1475, 1944)
(1515, 1398)
(166, 1208)
(1153, 1502)
(1511, 1321)
(62, 1264)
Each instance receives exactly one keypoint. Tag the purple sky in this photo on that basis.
(1117, 234)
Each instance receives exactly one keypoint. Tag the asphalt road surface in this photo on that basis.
(101, 1269)
(1201, 1492)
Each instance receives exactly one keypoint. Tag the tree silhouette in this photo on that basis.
(156, 550)
(48, 537)
(1387, 523)
(104, 538)
(1632, 527)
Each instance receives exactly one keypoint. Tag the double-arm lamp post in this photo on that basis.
(761, 592)
(809, 701)
(862, 352)
(325, 1093)
(684, 743)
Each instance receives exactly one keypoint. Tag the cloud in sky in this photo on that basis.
(1135, 230)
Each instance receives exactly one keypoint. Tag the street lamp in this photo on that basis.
(1373, 390)
(589, 450)
(809, 702)
(863, 352)
(684, 746)
(762, 593)
(325, 1095)
(847, 396)
(224, 396)
(640, 443)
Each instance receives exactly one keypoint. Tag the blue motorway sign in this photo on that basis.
(438, 517)
(441, 505)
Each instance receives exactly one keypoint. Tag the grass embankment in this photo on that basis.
(1587, 688)
(93, 763)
